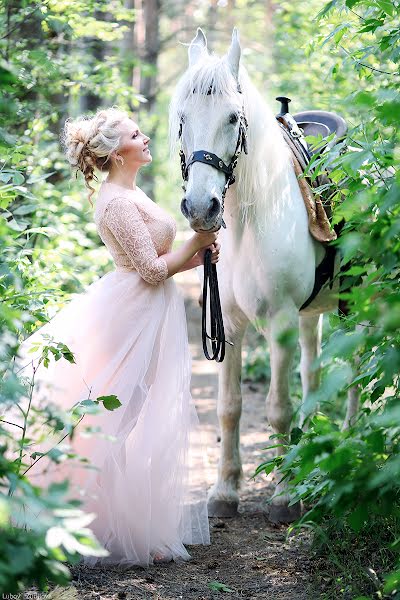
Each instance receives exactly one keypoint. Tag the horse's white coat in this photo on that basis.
(267, 259)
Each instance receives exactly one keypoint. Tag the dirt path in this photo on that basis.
(247, 554)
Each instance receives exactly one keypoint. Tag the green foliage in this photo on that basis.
(38, 553)
(60, 534)
(345, 60)
(48, 251)
(349, 480)
(256, 366)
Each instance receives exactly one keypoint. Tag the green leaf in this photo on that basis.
(5, 176)
(358, 517)
(216, 586)
(296, 435)
(392, 582)
(109, 402)
(387, 6)
(351, 3)
(85, 407)
(327, 8)
(55, 454)
(25, 209)
(389, 111)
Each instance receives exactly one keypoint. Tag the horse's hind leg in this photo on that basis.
(279, 406)
(353, 395)
(353, 401)
(310, 329)
(223, 499)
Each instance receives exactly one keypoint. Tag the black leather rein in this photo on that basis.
(217, 336)
(210, 282)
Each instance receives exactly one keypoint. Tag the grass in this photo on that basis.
(351, 565)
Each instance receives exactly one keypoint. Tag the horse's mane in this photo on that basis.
(261, 175)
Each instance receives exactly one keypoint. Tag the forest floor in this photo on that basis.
(248, 555)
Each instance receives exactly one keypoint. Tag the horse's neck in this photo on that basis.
(266, 188)
(271, 205)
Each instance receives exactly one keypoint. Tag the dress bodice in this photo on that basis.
(135, 230)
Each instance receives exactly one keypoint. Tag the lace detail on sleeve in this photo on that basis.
(123, 219)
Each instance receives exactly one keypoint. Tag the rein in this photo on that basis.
(217, 336)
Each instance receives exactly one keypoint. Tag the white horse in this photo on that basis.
(267, 259)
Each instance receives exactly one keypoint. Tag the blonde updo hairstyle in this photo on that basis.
(89, 142)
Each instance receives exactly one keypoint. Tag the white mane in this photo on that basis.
(261, 175)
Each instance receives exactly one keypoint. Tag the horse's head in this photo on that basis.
(207, 115)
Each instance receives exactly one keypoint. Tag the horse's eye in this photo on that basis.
(233, 118)
(182, 118)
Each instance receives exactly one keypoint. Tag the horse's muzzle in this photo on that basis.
(204, 218)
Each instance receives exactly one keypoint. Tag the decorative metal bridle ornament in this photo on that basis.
(210, 281)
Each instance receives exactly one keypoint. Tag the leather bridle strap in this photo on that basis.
(209, 158)
(217, 336)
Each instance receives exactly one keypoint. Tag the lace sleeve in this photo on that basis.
(125, 222)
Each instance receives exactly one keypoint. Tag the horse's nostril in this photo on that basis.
(215, 208)
(184, 208)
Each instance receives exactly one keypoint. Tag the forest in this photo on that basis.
(65, 58)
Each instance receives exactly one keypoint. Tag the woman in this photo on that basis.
(128, 334)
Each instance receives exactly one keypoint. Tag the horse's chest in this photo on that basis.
(263, 278)
(244, 280)
(253, 287)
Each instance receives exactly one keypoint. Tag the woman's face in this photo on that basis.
(133, 145)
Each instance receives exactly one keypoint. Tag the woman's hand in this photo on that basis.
(215, 248)
(202, 240)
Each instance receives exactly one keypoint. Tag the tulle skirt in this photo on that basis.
(148, 488)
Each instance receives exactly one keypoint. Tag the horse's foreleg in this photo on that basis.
(223, 499)
(310, 329)
(279, 406)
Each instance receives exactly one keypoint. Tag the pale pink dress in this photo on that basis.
(129, 335)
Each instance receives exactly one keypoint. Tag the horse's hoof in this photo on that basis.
(281, 513)
(222, 508)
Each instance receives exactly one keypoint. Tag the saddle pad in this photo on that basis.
(318, 221)
(318, 212)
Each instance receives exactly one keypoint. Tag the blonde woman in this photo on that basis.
(128, 333)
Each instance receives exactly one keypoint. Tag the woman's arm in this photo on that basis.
(125, 221)
(192, 263)
(198, 259)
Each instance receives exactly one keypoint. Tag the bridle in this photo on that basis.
(209, 158)
(217, 336)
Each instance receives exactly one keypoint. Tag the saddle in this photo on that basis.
(321, 122)
(294, 129)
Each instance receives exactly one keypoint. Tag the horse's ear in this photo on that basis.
(233, 55)
(198, 47)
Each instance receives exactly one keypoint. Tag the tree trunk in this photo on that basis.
(94, 51)
(150, 44)
(128, 50)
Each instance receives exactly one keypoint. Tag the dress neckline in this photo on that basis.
(120, 186)
(129, 190)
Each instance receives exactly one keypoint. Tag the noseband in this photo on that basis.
(209, 158)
